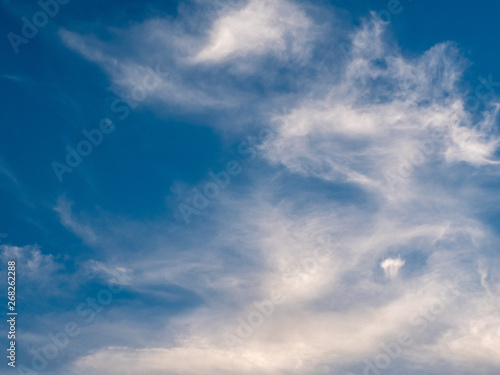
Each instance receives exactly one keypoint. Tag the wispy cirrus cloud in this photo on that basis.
(68, 220)
(239, 40)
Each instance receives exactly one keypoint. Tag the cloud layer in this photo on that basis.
(358, 222)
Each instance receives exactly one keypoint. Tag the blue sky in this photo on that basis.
(328, 168)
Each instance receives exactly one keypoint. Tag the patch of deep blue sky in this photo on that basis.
(50, 94)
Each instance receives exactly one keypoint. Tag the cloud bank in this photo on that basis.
(359, 223)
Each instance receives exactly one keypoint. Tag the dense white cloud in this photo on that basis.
(335, 310)
(391, 267)
(260, 27)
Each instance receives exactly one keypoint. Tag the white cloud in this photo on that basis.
(241, 38)
(149, 76)
(383, 119)
(335, 314)
(391, 267)
(260, 27)
(30, 261)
